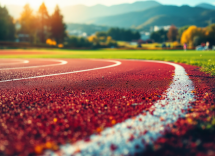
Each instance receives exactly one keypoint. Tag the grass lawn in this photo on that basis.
(204, 59)
(145, 45)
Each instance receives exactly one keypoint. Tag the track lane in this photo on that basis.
(124, 138)
(48, 67)
(117, 63)
(60, 62)
(105, 97)
(12, 62)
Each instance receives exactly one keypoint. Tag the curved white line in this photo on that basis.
(20, 61)
(117, 63)
(26, 61)
(178, 97)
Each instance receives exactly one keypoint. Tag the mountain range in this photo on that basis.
(82, 13)
(206, 6)
(160, 15)
(140, 14)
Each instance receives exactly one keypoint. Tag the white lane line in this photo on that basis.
(144, 128)
(19, 62)
(117, 63)
(61, 62)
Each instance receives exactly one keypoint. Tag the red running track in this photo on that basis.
(43, 113)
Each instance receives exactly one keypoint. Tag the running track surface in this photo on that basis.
(48, 103)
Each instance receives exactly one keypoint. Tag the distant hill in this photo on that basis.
(206, 6)
(82, 13)
(161, 15)
(139, 15)
(87, 28)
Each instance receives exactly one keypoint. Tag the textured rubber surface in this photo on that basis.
(194, 134)
(43, 113)
(132, 136)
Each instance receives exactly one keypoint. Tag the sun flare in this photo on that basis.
(35, 4)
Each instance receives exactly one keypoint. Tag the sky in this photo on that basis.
(62, 3)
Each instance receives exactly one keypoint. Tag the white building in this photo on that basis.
(77, 33)
(17, 25)
(145, 35)
(157, 28)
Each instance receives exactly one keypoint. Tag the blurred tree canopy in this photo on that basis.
(197, 40)
(210, 32)
(7, 27)
(93, 39)
(41, 27)
(77, 42)
(159, 36)
(181, 30)
(101, 36)
(172, 33)
(28, 23)
(43, 23)
(123, 34)
(192, 34)
(58, 28)
(195, 36)
(101, 39)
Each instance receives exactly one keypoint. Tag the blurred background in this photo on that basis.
(91, 24)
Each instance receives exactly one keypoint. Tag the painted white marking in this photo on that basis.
(117, 63)
(61, 62)
(19, 62)
(177, 98)
(26, 61)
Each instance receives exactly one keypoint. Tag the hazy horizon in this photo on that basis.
(91, 13)
(63, 3)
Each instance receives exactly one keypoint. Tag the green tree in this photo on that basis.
(191, 33)
(123, 34)
(28, 23)
(77, 42)
(197, 40)
(43, 23)
(181, 30)
(7, 27)
(136, 35)
(172, 33)
(210, 32)
(102, 36)
(159, 36)
(58, 27)
(114, 33)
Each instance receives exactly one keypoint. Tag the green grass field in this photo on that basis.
(204, 59)
(151, 46)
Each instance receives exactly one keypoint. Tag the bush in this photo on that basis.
(78, 42)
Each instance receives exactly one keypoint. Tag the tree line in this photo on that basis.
(7, 27)
(194, 36)
(123, 34)
(191, 35)
(41, 26)
(165, 35)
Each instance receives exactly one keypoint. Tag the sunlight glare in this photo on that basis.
(36, 3)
